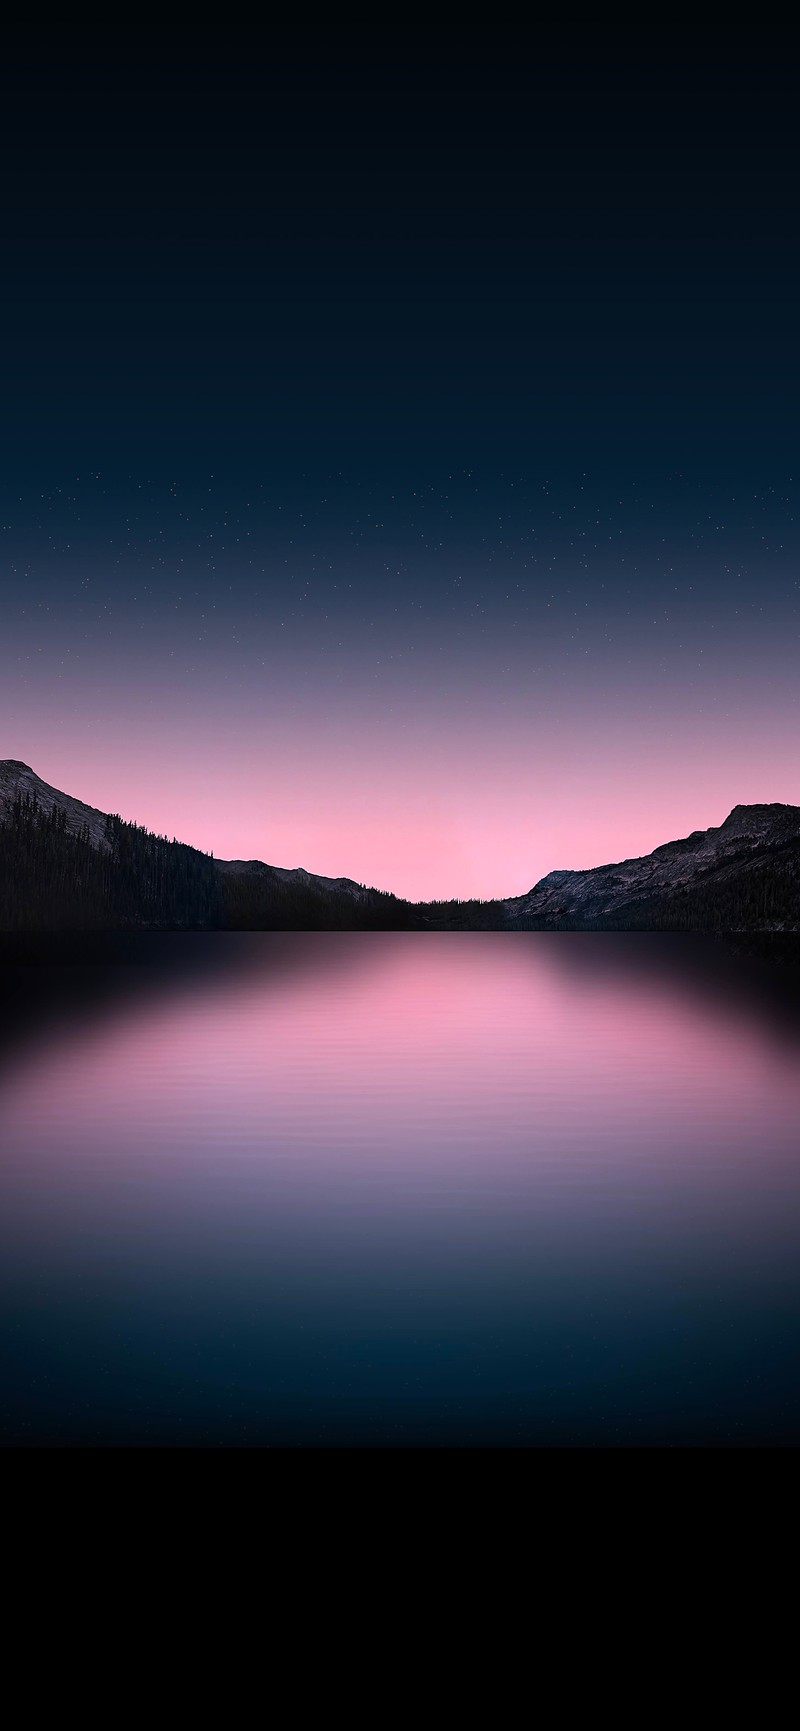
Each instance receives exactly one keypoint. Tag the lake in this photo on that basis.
(455, 1189)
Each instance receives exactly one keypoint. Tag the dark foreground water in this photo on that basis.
(399, 1189)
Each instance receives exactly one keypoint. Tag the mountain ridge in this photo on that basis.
(18, 778)
(598, 892)
(746, 869)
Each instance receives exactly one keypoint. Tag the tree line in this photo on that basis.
(53, 878)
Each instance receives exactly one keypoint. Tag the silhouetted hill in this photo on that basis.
(66, 866)
(742, 876)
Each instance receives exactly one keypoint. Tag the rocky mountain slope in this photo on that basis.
(61, 859)
(18, 779)
(756, 849)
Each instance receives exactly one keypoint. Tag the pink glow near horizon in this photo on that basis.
(485, 827)
(461, 794)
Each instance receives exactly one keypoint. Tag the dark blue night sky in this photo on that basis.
(399, 463)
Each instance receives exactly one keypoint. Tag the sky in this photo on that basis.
(398, 463)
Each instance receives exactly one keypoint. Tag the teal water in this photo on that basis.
(399, 1189)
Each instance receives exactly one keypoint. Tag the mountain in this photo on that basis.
(19, 781)
(748, 868)
(294, 875)
(66, 864)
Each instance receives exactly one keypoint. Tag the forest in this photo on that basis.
(53, 879)
(751, 894)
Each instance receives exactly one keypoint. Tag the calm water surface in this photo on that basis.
(399, 1189)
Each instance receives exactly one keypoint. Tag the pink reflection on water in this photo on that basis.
(413, 1068)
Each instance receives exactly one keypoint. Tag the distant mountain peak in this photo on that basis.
(759, 814)
(748, 835)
